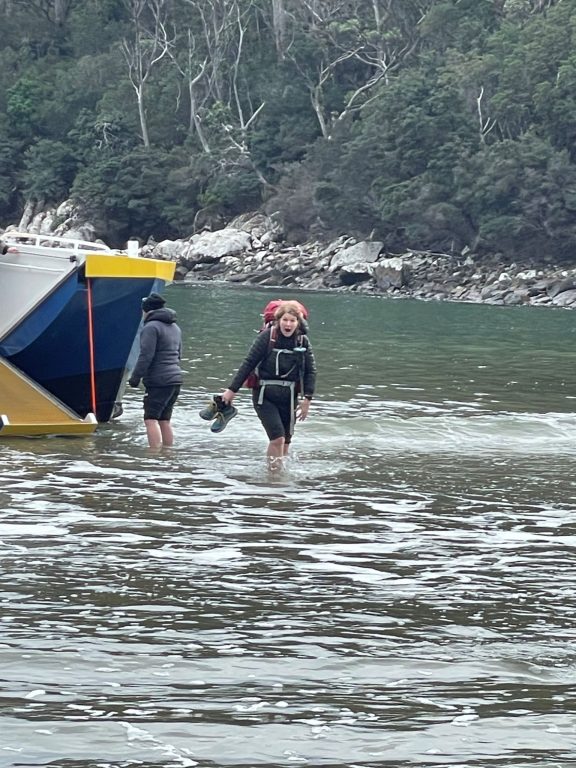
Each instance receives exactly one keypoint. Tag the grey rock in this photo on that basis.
(253, 250)
(212, 246)
(365, 252)
(561, 286)
(565, 299)
(390, 273)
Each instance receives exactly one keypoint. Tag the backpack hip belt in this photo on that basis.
(274, 383)
(280, 383)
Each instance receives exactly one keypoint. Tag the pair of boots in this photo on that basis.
(218, 412)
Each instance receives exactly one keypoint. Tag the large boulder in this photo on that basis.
(209, 247)
(359, 253)
(167, 250)
(560, 286)
(565, 299)
(390, 273)
(259, 226)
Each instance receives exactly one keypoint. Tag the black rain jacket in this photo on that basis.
(158, 363)
(279, 361)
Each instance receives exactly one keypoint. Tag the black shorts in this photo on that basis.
(159, 402)
(276, 412)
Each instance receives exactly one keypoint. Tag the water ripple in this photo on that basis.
(402, 595)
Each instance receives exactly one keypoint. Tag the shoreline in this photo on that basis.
(375, 294)
(244, 254)
(252, 250)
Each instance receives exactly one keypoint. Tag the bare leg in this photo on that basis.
(153, 433)
(275, 453)
(167, 433)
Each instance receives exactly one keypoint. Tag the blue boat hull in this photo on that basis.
(78, 342)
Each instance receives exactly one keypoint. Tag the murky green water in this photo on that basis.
(402, 596)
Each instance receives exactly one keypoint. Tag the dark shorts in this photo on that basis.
(276, 412)
(159, 402)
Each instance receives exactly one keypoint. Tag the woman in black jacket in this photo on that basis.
(282, 359)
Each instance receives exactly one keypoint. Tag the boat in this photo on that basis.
(70, 313)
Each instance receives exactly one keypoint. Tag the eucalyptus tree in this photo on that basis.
(392, 173)
(525, 76)
(54, 11)
(212, 61)
(213, 55)
(146, 44)
(279, 17)
(343, 48)
(192, 68)
(228, 81)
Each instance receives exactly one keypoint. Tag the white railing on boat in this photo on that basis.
(51, 241)
(32, 267)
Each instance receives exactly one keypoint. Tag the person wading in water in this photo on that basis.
(158, 366)
(282, 360)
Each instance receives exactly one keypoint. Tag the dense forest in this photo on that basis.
(443, 125)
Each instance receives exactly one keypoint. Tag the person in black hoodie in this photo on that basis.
(158, 366)
(283, 389)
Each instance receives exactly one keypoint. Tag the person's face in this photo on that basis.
(288, 324)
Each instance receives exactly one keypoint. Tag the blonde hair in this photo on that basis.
(289, 308)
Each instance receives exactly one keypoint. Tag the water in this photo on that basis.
(403, 595)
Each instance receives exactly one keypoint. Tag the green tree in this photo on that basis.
(127, 194)
(49, 170)
(10, 170)
(396, 167)
(521, 196)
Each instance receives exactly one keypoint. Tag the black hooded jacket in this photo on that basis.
(273, 363)
(158, 363)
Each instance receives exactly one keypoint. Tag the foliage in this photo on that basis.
(49, 169)
(125, 194)
(10, 167)
(431, 124)
(294, 203)
(395, 167)
(522, 196)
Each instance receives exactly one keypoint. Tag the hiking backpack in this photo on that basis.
(268, 321)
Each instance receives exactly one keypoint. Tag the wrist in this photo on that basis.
(308, 397)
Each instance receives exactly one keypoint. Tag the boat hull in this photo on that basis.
(80, 341)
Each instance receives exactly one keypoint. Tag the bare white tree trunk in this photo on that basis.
(279, 16)
(148, 45)
(385, 35)
(61, 8)
(193, 72)
(223, 27)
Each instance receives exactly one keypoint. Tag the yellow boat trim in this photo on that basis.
(117, 265)
(28, 409)
(22, 429)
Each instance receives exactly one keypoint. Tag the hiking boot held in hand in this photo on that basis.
(211, 409)
(226, 412)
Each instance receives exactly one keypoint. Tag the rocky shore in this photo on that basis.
(252, 250)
